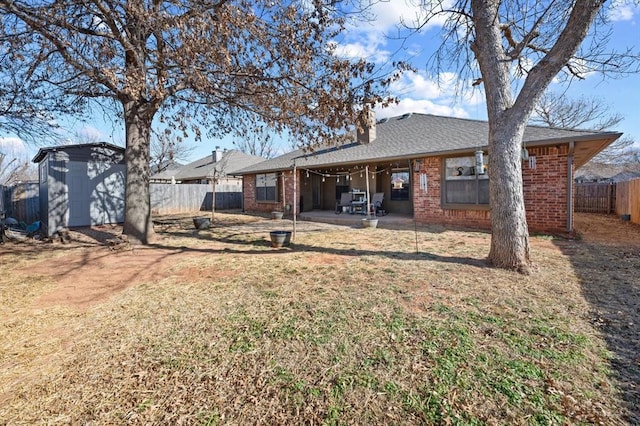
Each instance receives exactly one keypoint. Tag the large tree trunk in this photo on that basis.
(509, 231)
(137, 222)
(510, 234)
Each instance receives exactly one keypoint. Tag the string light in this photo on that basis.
(347, 176)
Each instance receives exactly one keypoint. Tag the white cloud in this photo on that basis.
(12, 147)
(444, 85)
(580, 67)
(389, 14)
(623, 10)
(89, 134)
(370, 52)
(423, 106)
(446, 89)
(388, 21)
(417, 84)
(443, 95)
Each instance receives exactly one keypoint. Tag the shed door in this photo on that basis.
(79, 194)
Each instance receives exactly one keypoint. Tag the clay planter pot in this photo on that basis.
(280, 238)
(370, 222)
(202, 222)
(276, 215)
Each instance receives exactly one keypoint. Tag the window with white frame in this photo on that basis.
(465, 184)
(399, 184)
(267, 187)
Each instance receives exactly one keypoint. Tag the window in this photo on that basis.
(463, 185)
(400, 184)
(43, 171)
(266, 187)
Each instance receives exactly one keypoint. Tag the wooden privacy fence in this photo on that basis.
(628, 199)
(183, 198)
(21, 201)
(595, 198)
(2, 202)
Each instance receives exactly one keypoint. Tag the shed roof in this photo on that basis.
(415, 135)
(231, 162)
(42, 152)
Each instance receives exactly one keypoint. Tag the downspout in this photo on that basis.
(570, 187)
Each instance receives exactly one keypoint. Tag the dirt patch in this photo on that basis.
(607, 229)
(96, 274)
(87, 272)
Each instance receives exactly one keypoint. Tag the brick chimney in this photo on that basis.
(367, 128)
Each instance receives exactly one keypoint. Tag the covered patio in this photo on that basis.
(393, 220)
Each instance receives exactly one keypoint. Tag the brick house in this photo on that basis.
(431, 168)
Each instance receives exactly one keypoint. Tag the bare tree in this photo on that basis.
(224, 66)
(515, 49)
(28, 109)
(14, 170)
(260, 143)
(556, 110)
(167, 150)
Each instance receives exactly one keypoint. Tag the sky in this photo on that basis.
(419, 92)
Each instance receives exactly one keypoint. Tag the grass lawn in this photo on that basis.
(343, 326)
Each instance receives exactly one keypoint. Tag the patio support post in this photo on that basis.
(570, 187)
(366, 173)
(295, 198)
(284, 193)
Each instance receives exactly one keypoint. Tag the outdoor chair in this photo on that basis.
(345, 201)
(376, 204)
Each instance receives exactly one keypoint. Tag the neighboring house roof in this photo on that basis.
(166, 165)
(415, 135)
(228, 165)
(42, 152)
(607, 172)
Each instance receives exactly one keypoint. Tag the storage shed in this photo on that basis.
(81, 185)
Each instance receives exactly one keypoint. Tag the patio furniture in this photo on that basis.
(345, 202)
(376, 204)
(358, 207)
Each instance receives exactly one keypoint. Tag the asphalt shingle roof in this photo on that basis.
(412, 135)
(231, 162)
(44, 150)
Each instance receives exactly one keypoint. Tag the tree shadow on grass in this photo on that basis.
(254, 243)
(610, 280)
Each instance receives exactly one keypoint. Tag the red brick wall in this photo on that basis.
(427, 205)
(545, 188)
(249, 194)
(545, 193)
